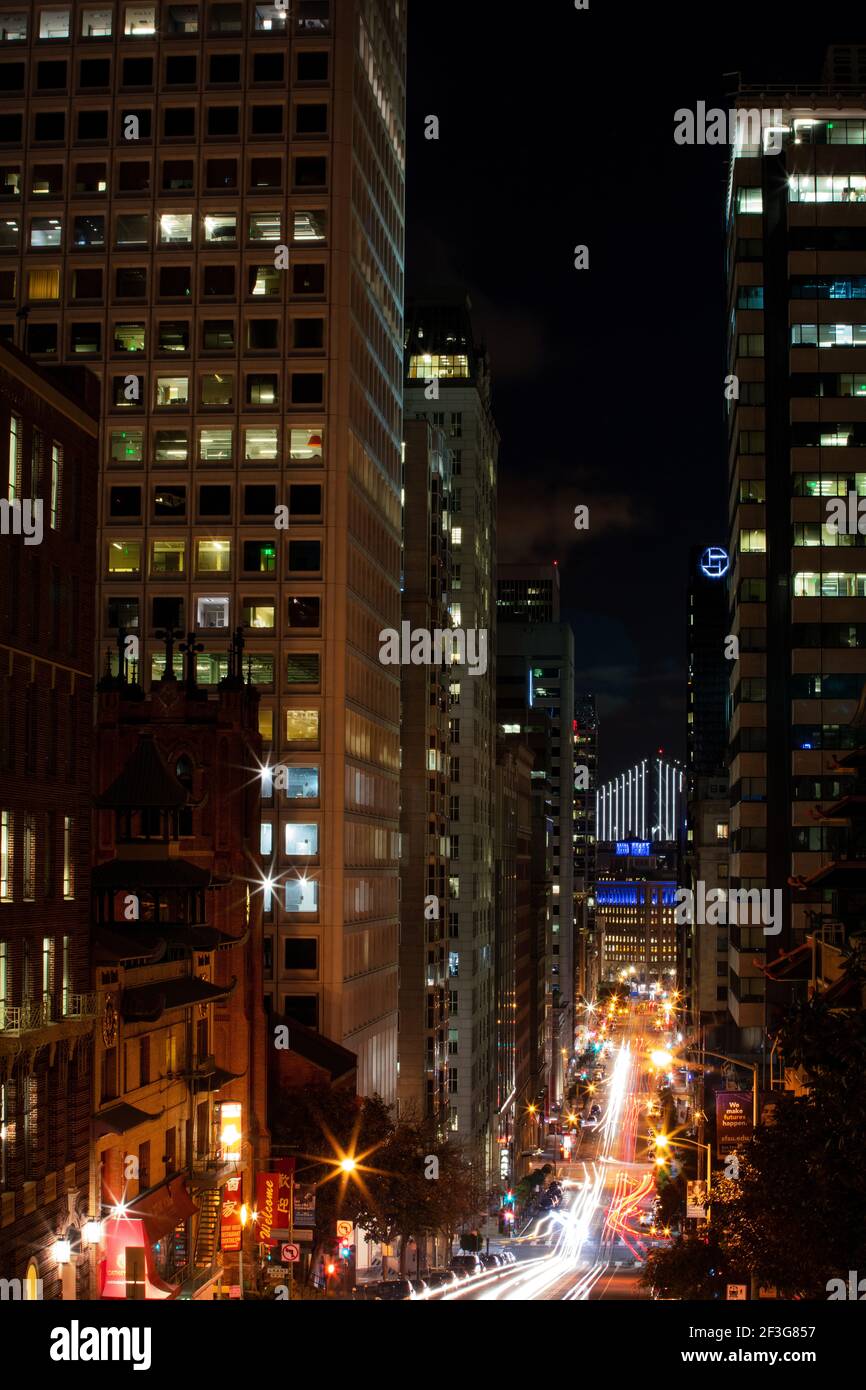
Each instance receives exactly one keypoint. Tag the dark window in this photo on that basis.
(302, 953)
(42, 338)
(134, 176)
(12, 77)
(50, 126)
(175, 282)
(178, 122)
(46, 179)
(218, 335)
(311, 171)
(124, 501)
(263, 335)
(222, 173)
(214, 499)
(88, 178)
(308, 279)
(7, 284)
(123, 612)
(173, 337)
(311, 118)
(225, 68)
(169, 1158)
(92, 125)
(181, 70)
(169, 503)
(50, 76)
(137, 72)
(11, 126)
(94, 72)
(266, 173)
(308, 334)
(302, 1007)
(305, 499)
(305, 556)
(262, 388)
(132, 229)
(304, 612)
(87, 284)
(267, 120)
(144, 1165)
(167, 612)
(307, 388)
(88, 232)
(267, 67)
(144, 1062)
(222, 120)
(178, 175)
(130, 282)
(312, 67)
(85, 339)
(219, 280)
(225, 19)
(144, 117)
(260, 499)
(260, 557)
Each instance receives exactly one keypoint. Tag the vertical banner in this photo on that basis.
(305, 1204)
(733, 1121)
(267, 1185)
(230, 1214)
(285, 1169)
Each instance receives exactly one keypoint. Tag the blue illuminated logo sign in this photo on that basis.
(715, 562)
(635, 849)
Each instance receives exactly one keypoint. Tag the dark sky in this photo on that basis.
(556, 129)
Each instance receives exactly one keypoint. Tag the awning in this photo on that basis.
(120, 1118)
(219, 1078)
(163, 1208)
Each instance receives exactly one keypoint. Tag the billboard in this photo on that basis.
(733, 1121)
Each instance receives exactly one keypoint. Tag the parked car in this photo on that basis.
(441, 1279)
(491, 1261)
(420, 1286)
(470, 1263)
(396, 1290)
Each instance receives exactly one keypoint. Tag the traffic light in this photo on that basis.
(508, 1199)
(345, 1251)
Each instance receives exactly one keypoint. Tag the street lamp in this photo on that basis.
(735, 1062)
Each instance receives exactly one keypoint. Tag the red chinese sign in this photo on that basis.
(230, 1221)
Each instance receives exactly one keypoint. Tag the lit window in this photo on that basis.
(265, 226)
(212, 611)
(7, 857)
(270, 18)
(13, 28)
(258, 614)
(167, 557)
(302, 839)
(309, 226)
(56, 485)
(129, 337)
(302, 726)
(426, 365)
(213, 557)
(221, 227)
(306, 445)
(54, 24)
(43, 284)
(302, 895)
(260, 446)
(127, 446)
(266, 837)
(215, 446)
(175, 227)
(45, 231)
(96, 24)
(721, 830)
(139, 21)
(172, 390)
(124, 558)
(456, 535)
(217, 389)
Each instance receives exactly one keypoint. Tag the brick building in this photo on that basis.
(48, 456)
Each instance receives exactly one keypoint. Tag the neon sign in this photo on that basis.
(715, 562)
(635, 849)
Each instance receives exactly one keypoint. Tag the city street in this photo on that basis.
(592, 1246)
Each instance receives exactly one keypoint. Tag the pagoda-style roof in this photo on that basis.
(323, 1052)
(791, 965)
(120, 1118)
(845, 808)
(147, 1003)
(114, 947)
(150, 873)
(845, 874)
(145, 782)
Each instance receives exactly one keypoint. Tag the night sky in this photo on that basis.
(556, 129)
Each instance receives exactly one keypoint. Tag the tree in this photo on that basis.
(692, 1267)
(793, 1217)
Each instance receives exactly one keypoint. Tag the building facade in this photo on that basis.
(796, 256)
(448, 383)
(48, 469)
(205, 204)
(586, 732)
(427, 969)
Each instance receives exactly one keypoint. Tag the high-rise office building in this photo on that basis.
(796, 279)
(536, 668)
(585, 738)
(204, 203)
(647, 802)
(448, 383)
(527, 593)
(425, 966)
(703, 952)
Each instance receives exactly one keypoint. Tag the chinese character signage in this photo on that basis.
(230, 1217)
